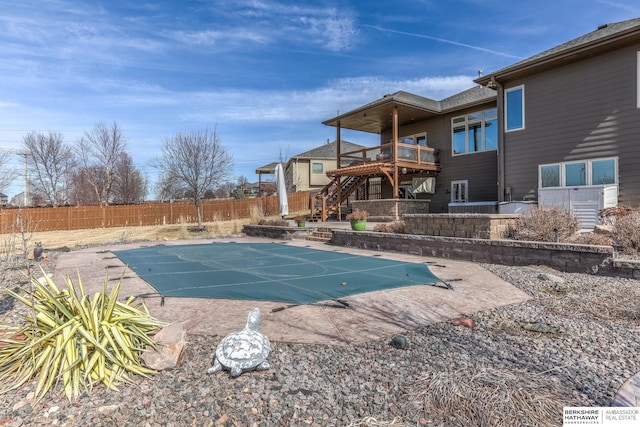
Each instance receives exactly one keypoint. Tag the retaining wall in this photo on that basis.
(391, 209)
(560, 256)
(470, 226)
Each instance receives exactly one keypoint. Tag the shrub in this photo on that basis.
(274, 222)
(626, 233)
(357, 215)
(75, 339)
(543, 224)
(609, 216)
(391, 227)
(590, 239)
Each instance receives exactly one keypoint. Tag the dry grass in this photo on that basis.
(373, 422)
(80, 238)
(488, 396)
(391, 227)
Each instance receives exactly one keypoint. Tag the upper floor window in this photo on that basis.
(514, 108)
(417, 139)
(583, 172)
(316, 168)
(475, 132)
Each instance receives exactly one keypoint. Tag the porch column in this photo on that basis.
(395, 152)
(338, 145)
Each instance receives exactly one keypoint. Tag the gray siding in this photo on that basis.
(480, 169)
(583, 110)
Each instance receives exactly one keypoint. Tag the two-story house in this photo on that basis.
(558, 128)
(570, 123)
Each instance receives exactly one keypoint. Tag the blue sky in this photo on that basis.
(265, 73)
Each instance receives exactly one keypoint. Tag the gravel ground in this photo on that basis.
(574, 344)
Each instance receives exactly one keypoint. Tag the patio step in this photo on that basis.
(321, 234)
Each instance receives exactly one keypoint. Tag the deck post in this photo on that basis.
(395, 152)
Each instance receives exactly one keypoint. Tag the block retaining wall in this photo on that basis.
(560, 256)
(470, 226)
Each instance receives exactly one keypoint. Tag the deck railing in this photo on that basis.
(417, 155)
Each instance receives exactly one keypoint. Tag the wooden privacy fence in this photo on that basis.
(156, 213)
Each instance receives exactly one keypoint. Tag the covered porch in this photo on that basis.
(406, 156)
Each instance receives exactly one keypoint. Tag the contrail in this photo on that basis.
(438, 39)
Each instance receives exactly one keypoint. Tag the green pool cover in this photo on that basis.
(267, 272)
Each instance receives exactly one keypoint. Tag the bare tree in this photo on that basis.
(80, 190)
(50, 164)
(99, 151)
(8, 174)
(129, 184)
(194, 163)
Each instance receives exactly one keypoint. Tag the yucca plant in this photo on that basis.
(74, 339)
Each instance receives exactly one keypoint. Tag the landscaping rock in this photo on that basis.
(169, 351)
(550, 277)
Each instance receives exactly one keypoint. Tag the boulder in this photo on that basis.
(464, 321)
(169, 350)
(551, 278)
(606, 230)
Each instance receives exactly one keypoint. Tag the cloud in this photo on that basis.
(315, 104)
(279, 23)
(228, 38)
(441, 40)
(620, 5)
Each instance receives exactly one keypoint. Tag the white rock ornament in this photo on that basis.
(243, 351)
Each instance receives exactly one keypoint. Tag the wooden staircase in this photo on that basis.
(327, 201)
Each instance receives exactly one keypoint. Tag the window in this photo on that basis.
(574, 174)
(603, 171)
(417, 139)
(459, 191)
(475, 132)
(316, 168)
(550, 176)
(514, 108)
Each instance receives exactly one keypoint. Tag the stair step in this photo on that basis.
(323, 234)
(318, 239)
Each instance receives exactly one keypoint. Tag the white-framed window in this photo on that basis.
(317, 168)
(416, 139)
(460, 191)
(578, 173)
(514, 108)
(474, 132)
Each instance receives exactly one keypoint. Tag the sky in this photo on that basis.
(264, 74)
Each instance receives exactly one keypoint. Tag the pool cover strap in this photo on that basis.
(268, 272)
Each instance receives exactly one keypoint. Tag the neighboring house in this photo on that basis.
(19, 200)
(4, 199)
(559, 128)
(308, 170)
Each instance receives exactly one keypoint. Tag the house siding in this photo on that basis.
(480, 169)
(583, 110)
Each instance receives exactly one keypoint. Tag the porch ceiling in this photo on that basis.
(378, 118)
